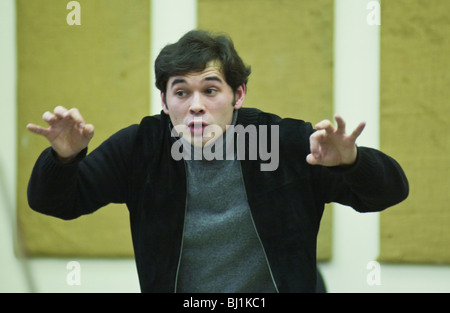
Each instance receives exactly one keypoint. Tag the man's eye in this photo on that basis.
(211, 91)
(180, 93)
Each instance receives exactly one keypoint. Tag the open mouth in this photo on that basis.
(197, 127)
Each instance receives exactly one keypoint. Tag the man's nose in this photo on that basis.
(196, 106)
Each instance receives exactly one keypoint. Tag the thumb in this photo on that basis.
(88, 131)
(310, 159)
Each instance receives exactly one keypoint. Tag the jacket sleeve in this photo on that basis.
(375, 182)
(69, 190)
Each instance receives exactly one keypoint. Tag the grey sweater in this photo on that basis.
(221, 249)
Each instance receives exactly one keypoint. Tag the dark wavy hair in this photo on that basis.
(192, 53)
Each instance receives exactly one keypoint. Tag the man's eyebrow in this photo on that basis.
(177, 81)
(183, 81)
(213, 78)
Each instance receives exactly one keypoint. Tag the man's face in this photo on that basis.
(197, 100)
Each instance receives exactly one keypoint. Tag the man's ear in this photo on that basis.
(164, 104)
(239, 96)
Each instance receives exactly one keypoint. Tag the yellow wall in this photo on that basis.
(102, 68)
(415, 110)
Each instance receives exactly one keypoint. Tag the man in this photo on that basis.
(213, 225)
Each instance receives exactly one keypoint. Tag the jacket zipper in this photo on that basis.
(182, 234)
(257, 234)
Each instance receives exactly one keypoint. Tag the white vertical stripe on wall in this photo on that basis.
(356, 97)
(13, 272)
(170, 19)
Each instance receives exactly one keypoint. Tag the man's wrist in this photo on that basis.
(353, 160)
(64, 160)
(67, 160)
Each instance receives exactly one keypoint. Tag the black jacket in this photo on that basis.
(134, 166)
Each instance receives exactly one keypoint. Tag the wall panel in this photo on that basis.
(414, 111)
(102, 68)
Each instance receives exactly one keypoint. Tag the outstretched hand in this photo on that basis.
(331, 146)
(67, 132)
